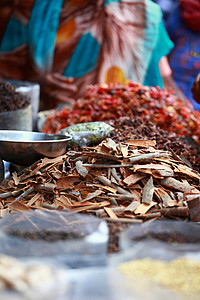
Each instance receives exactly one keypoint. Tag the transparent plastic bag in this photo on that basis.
(76, 240)
(148, 245)
(31, 90)
(20, 119)
(133, 276)
(87, 134)
(32, 279)
(183, 235)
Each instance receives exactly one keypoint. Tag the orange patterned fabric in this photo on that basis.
(66, 45)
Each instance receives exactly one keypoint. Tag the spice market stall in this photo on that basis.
(145, 173)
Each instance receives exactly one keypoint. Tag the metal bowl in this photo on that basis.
(24, 147)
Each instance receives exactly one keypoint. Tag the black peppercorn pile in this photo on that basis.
(10, 100)
(138, 128)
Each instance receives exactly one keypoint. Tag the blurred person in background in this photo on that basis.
(183, 26)
(167, 7)
(67, 44)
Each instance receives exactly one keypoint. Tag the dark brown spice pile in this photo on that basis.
(138, 128)
(45, 235)
(10, 100)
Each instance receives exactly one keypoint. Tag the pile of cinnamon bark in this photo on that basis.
(128, 182)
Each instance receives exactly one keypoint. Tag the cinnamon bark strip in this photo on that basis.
(144, 207)
(152, 167)
(39, 165)
(91, 206)
(33, 199)
(10, 194)
(64, 200)
(107, 145)
(148, 191)
(15, 178)
(163, 173)
(124, 196)
(106, 181)
(101, 212)
(148, 156)
(115, 175)
(48, 206)
(47, 187)
(125, 220)
(124, 149)
(83, 158)
(82, 171)
(67, 182)
(132, 206)
(137, 194)
(188, 172)
(175, 211)
(133, 178)
(142, 143)
(16, 205)
(102, 155)
(56, 174)
(191, 196)
(110, 212)
(172, 203)
(163, 196)
(179, 195)
(92, 195)
(194, 209)
(147, 172)
(149, 216)
(180, 159)
(113, 180)
(52, 162)
(107, 165)
(23, 195)
(107, 188)
(176, 184)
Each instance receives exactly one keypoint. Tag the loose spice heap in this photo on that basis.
(140, 128)
(181, 275)
(11, 100)
(106, 102)
(129, 182)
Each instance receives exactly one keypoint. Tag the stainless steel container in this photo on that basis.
(24, 148)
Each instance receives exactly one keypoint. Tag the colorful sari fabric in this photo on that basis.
(89, 41)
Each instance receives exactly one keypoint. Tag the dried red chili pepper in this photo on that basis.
(105, 102)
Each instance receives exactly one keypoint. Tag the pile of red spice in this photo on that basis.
(106, 102)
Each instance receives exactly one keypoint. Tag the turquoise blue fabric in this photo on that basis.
(107, 2)
(14, 36)
(42, 30)
(156, 38)
(162, 48)
(40, 36)
(86, 53)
